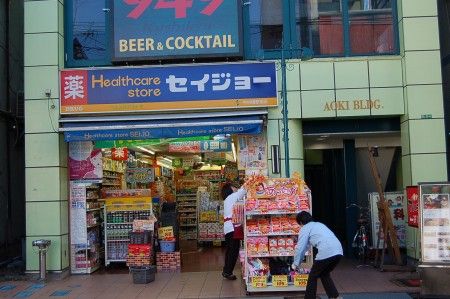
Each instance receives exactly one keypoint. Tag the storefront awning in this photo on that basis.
(139, 128)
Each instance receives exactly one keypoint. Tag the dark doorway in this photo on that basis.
(324, 174)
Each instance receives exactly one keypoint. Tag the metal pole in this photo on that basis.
(285, 114)
(42, 263)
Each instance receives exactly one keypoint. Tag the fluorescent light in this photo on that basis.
(233, 148)
(166, 159)
(164, 165)
(146, 150)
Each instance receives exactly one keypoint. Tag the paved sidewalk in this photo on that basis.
(353, 282)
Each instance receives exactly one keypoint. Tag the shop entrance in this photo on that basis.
(121, 188)
(338, 172)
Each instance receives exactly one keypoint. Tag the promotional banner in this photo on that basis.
(85, 162)
(78, 231)
(168, 88)
(252, 154)
(412, 196)
(165, 29)
(397, 207)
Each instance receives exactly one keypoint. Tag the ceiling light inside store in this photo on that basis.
(159, 163)
(167, 159)
(146, 150)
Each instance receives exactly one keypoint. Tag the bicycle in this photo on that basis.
(360, 241)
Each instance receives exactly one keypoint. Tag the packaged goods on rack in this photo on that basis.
(210, 217)
(85, 223)
(122, 215)
(271, 233)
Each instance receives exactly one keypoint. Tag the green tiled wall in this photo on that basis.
(351, 74)
(423, 134)
(408, 86)
(45, 151)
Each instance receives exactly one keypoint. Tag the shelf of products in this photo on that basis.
(210, 216)
(186, 198)
(271, 232)
(120, 214)
(85, 223)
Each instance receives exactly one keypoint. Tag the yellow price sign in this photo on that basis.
(259, 281)
(279, 281)
(300, 280)
(165, 232)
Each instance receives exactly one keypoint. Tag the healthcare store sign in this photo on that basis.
(183, 87)
(165, 29)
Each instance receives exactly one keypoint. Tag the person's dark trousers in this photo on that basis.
(322, 269)
(231, 254)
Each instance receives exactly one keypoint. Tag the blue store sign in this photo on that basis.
(88, 131)
(162, 29)
(181, 87)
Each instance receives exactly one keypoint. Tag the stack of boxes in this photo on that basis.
(168, 261)
(139, 255)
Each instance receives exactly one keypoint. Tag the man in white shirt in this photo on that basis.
(231, 194)
(329, 254)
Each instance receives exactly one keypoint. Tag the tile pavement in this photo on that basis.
(201, 278)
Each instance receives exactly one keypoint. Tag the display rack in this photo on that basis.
(270, 234)
(210, 218)
(85, 222)
(187, 213)
(119, 216)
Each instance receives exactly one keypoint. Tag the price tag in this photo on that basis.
(300, 280)
(165, 232)
(279, 281)
(259, 281)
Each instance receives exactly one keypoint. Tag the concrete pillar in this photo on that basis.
(45, 150)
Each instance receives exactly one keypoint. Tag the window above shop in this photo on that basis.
(321, 28)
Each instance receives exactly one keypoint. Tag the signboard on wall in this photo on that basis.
(165, 29)
(85, 162)
(412, 196)
(397, 207)
(168, 88)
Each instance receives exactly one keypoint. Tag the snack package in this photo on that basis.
(263, 205)
(264, 225)
(253, 227)
(285, 225)
(276, 224)
(281, 245)
(263, 245)
(273, 246)
(290, 244)
(272, 205)
(252, 246)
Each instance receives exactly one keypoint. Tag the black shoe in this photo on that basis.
(229, 276)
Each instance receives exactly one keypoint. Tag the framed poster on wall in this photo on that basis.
(397, 207)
